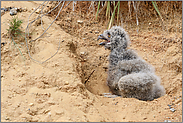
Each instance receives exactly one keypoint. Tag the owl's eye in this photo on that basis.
(109, 35)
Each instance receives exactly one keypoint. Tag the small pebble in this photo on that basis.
(7, 118)
(31, 104)
(49, 113)
(19, 9)
(66, 83)
(4, 9)
(172, 109)
(38, 11)
(167, 121)
(13, 11)
(96, 32)
(82, 53)
(116, 103)
(24, 9)
(80, 21)
(169, 106)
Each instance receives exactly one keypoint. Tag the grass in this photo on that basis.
(112, 14)
(98, 9)
(156, 8)
(14, 31)
(14, 27)
(115, 11)
(108, 9)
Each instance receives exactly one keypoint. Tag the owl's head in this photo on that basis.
(115, 37)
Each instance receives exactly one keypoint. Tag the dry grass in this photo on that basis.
(117, 13)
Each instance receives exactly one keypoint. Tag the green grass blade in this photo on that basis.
(112, 18)
(18, 48)
(98, 9)
(118, 11)
(156, 8)
(108, 9)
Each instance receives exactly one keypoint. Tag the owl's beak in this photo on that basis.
(102, 38)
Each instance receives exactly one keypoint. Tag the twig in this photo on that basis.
(50, 24)
(39, 16)
(31, 14)
(29, 24)
(41, 13)
(67, 4)
(136, 9)
(89, 76)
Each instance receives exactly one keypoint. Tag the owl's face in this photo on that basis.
(115, 37)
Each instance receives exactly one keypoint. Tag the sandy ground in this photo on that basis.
(55, 91)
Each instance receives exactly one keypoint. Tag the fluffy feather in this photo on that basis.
(129, 75)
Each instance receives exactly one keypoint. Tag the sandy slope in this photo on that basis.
(55, 91)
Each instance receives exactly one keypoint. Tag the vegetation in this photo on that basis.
(156, 8)
(113, 10)
(15, 31)
(108, 11)
(14, 27)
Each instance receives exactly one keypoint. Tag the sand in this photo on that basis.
(55, 91)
